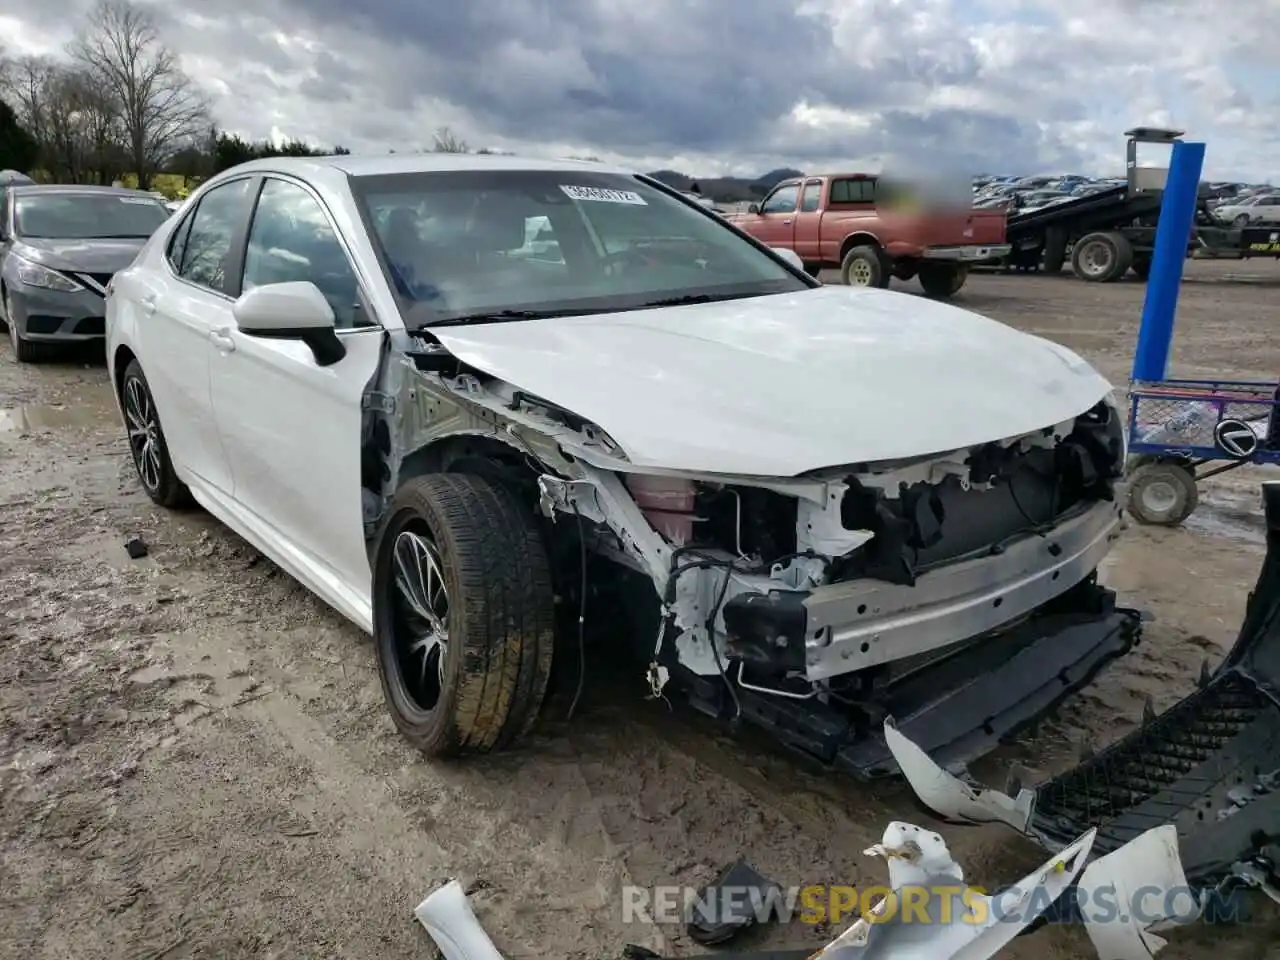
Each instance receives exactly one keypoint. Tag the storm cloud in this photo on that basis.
(711, 86)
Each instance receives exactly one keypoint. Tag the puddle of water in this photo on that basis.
(36, 417)
(1220, 514)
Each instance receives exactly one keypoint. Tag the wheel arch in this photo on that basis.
(120, 360)
(859, 239)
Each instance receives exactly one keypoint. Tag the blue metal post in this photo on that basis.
(1177, 216)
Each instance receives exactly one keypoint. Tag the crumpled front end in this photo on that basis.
(1209, 767)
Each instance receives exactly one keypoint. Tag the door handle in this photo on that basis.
(222, 340)
(787, 222)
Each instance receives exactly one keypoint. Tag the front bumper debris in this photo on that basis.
(957, 707)
(929, 912)
(1208, 769)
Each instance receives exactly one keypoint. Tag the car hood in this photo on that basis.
(86, 256)
(783, 384)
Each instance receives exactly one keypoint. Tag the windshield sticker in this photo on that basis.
(603, 196)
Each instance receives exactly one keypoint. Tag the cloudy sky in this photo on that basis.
(736, 86)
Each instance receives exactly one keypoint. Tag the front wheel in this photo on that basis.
(1162, 493)
(941, 281)
(464, 614)
(147, 445)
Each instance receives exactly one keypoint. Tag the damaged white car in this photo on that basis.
(805, 507)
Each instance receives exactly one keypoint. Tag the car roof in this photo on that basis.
(377, 165)
(27, 189)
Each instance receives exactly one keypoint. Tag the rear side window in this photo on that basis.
(812, 194)
(853, 191)
(207, 236)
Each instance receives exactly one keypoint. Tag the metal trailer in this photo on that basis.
(1184, 431)
(1107, 234)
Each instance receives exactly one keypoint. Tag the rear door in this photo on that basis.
(174, 344)
(292, 428)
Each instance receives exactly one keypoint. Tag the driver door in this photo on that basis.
(776, 225)
(291, 428)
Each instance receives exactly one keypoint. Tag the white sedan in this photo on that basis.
(363, 367)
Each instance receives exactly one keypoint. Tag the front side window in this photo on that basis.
(66, 215)
(782, 200)
(206, 252)
(291, 239)
(462, 246)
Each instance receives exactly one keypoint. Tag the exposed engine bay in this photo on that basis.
(808, 604)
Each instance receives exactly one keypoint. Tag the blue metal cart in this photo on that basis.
(1183, 431)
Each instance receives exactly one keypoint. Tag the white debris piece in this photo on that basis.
(949, 797)
(930, 913)
(452, 924)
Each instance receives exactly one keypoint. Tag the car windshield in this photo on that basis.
(482, 246)
(87, 216)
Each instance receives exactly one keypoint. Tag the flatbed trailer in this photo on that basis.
(1107, 234)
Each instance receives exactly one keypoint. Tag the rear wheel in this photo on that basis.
(147, 444)
(1102, 257)
(864, 267)
(941, 281)
(1055, 250)
(1142, 266)
(463, 615)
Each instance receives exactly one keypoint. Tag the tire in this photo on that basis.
(942, 281)
(1162, 493)
(1241, 221)
(864, 267)
(26, 351)
(813, 269)
(1102, 257)
(483, 691)
(1142, 266)
(153, 466)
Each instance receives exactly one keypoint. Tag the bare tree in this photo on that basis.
(159, 106)
(446, 142)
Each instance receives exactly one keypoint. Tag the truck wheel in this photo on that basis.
(1162, 493)
(941, 281)
(864, 267)
(1102, 257)
(463, 611)
(1142, 266)
(813, 269)
(1055, 250)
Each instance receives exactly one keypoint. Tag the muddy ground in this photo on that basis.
(195, 760)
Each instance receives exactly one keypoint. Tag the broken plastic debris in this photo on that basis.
(136, 547)
(713, 918)
(452, 924)
(949, 797)
(958, 922)
(1148, 861)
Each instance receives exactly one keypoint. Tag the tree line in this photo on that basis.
(117, 104)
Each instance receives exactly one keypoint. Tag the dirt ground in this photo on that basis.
(195, 760)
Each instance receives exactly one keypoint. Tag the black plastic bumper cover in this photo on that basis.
(1210, 765)
(960, 707)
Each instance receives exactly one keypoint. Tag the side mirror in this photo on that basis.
(789, 255)
(296, 310)
(754, 208)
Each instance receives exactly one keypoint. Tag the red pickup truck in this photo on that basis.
(833, 221)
